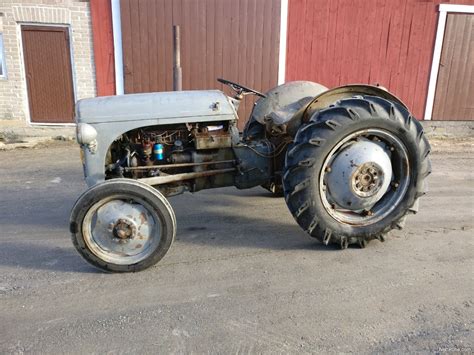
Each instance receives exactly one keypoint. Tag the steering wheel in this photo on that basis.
(240, 89)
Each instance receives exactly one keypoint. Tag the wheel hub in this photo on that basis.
(124, 229)
(359, 175)
(367, 179)
(121, 230)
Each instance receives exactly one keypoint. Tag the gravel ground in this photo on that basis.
(241, 276)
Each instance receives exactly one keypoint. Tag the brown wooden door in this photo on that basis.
(234, 39)
(48, 74)
(454, 99)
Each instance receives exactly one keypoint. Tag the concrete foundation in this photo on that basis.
(449, 129)
(17, 134)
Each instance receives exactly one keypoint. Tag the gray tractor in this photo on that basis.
(351, 163)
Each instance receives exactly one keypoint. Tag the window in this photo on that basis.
(3, 69)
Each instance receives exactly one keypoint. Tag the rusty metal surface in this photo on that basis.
(180, 165)
(213, 141)
(212, 138)
(158, 180)
(177, 71)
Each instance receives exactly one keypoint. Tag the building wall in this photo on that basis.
(73, 13)
(389, 42)
(233, 39)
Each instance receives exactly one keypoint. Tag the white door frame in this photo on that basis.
(444, 9)
(118, 52)
(283, 41)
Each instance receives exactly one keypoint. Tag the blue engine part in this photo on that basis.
(158, 151)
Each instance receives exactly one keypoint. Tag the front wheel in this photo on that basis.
(122, 225)
(356, 170)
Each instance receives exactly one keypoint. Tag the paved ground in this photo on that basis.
(241, 278)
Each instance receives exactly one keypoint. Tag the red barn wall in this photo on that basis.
(389, 42)
(233, 39)
(101, 18)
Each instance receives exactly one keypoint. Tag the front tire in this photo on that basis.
(122, 225)
(356, 170)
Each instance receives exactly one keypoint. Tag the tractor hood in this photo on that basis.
(186, 106)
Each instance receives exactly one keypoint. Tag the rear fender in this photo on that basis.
(328, 97)
(284, 100)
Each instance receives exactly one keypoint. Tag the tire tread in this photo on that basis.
(310, 139)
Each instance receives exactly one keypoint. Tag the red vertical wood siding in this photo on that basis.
(233, 39)
(101, 16)
(389, 42)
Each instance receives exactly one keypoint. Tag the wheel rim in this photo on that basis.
(122, 229)
(364, 177)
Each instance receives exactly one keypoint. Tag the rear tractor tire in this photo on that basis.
(122, 225)
(355, 170)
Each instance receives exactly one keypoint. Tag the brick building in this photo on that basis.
(47, 51)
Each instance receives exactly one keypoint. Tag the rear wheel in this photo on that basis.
(122, 225)
(356, 170)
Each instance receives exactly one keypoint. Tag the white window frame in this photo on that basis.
(3, 62)
(444, 9)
